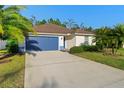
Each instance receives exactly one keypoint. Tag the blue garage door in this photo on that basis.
(41, 43)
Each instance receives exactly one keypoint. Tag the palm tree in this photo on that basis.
(12, 24)
(1, 30)
(109, 38)
(105, 39)
(119, 33)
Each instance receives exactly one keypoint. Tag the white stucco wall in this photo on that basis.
(70, 41)
(91, 40)
(61, 42)
(123, 45)
(81, 40)
(3, 44)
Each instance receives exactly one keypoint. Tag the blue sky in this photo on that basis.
(95, 16)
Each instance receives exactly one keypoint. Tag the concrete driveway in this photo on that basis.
(56, 69)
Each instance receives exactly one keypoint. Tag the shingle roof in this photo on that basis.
(80, 31)
(52, 28)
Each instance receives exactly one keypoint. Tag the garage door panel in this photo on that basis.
(32, 44)
(42, 43)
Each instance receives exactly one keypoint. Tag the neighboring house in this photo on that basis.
(54, 37)
(2, 44)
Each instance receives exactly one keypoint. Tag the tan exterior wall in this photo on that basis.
(91, 38)
(73, 40)
(70, 41)
(81, 40)
(123, 45)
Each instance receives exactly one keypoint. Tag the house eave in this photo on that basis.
(82, 34)
(57, 34)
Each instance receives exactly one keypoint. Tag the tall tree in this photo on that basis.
(88, 28)
(50, 21)
(70, 23)
(41, 22)
(55, 21)
(82, 26)
(33, 20)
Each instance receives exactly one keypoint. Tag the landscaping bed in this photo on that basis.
(12, 71)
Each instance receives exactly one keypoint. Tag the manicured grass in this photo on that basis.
(116, 61)
(121, 51)
(3, 51)
(12, 71)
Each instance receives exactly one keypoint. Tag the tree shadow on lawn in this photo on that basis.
(5, 61)
(6, 56)
(12, 74)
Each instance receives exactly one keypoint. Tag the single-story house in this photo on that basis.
(54, 37)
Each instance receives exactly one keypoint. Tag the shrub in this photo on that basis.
(92, 48)
(79, 49)
(100, 46)
(76, 49)
(12, 46)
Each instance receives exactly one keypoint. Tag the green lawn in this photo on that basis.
(3, 51)
(114, 61)
(12, 71)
